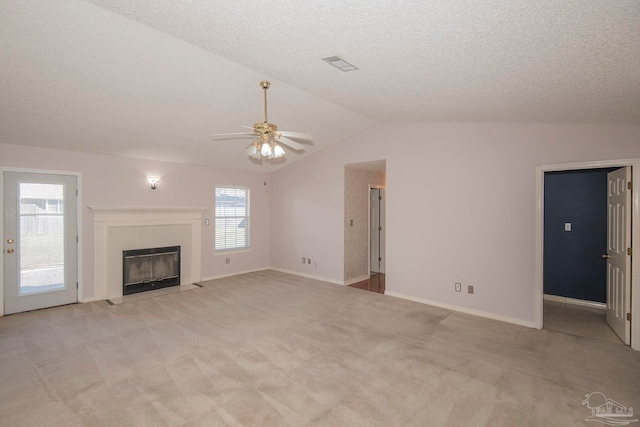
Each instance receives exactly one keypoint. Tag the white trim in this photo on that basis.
(230, 252)
(222, 276)
(575, 301)
(635, 237)
(106, 218)
(281, 270)
(246, 218)
(2, 240)
(357, 279)
(457, 308)
(309, 276)
(147, 208)
(79, 227)
(79, 222)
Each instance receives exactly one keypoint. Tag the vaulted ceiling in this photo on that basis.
(155, 78)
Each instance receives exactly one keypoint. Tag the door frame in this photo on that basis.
(635, 236)
(382, 239)
(79, 205)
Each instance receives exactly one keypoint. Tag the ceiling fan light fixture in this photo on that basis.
(252, 151)
(265, 150)
(278, 151)
(267, 142)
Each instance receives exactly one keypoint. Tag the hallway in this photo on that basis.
(375, 283)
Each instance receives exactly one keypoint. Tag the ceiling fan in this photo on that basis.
(267, 137)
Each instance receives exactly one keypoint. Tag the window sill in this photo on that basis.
(230, 251)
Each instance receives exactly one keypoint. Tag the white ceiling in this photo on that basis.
(155, 78)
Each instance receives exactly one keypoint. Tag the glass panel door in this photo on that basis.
(41, 224)
(40, 248)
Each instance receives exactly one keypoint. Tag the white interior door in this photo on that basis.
(377, 230)
(619, 259)
(40, 247)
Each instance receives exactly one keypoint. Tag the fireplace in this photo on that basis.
(151, 268)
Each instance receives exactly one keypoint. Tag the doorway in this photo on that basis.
(377, 230)
(40, 241)
(575, 239)
(359, 179)
(635, 234)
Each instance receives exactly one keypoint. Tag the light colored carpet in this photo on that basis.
(578, 320)
(271, 349)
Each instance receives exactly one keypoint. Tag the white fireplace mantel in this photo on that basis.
(121, 227)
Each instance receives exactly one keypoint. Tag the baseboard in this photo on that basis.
(479, 313)
(575, 301)
(308, 276)
(357, 279)
(222, 276)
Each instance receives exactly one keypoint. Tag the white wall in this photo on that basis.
(115, 181)
(461, 206)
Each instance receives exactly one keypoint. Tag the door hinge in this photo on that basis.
(629, 317)
(379, 258)
(76, 285)
(629, 251)
(76, 192)
(379, 228)
(630, 185)
(379, 197)
(77, 241)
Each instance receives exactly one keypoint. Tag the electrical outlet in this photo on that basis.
(308, 260)
(304, 260)
(458, 287)
(470, 289)
(227, 260)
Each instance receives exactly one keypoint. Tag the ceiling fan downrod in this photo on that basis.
(264, 84)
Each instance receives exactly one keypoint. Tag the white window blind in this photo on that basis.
(232, 218)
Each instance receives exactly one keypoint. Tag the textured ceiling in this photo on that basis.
(155, 78)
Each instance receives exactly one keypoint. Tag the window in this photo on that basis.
(232, 218)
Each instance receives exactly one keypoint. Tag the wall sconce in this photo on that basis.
(153, 181)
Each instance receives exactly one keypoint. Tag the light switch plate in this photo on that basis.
(567, 226)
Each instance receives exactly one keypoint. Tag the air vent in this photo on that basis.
(340, 63)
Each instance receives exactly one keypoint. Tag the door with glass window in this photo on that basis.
(40, 241)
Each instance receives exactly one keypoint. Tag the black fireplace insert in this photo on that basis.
(151, 268)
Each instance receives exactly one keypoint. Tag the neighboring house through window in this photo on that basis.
(232, 218)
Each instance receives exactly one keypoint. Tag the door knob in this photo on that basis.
(9, 241)
(10, 250)
(605, 256)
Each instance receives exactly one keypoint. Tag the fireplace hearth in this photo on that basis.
(150, 268)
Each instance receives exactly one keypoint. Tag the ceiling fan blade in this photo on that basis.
(242, 135)
(248, 127)
(290, 143)
(296, 135)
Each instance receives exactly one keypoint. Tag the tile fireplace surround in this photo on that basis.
(121, 228)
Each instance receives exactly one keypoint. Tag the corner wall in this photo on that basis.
(116, 181)
(461, 207)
